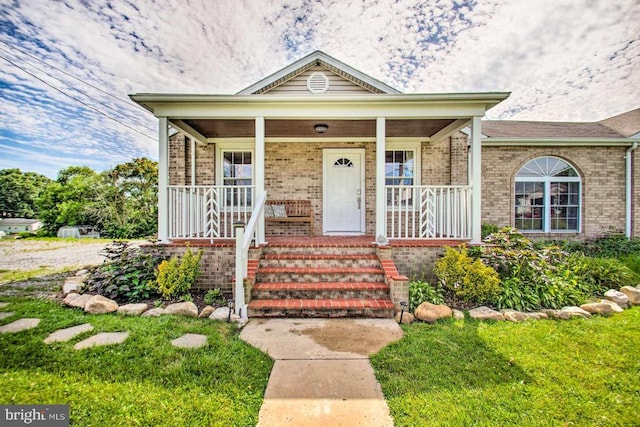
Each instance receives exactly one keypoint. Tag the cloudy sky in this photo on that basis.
(66, 67)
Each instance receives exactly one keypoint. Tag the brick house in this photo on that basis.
(404, 174)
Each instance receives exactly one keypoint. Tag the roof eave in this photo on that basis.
(545, 142)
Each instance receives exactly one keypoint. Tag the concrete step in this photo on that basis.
(345, 307)
(320, 290)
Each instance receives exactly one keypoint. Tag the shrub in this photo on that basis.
(214, 296)
(127, 274)
(633, 262)
(487, 229)
(463, 277)
(612, 246)
(175, 277)
(603, 274)
(420, 292)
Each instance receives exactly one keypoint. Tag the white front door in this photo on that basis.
(343, 207)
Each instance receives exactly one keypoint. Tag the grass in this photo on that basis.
(144, 381)
(539, 373)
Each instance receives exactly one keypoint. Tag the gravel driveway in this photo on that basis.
(32, 254)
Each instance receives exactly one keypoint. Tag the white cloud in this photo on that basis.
(561, 59)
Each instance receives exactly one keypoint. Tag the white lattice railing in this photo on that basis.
(208, 212)
(428, 212)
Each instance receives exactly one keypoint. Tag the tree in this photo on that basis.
(19, 192)
(127, 204)
(70, 199)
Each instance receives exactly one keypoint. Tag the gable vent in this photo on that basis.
(318, 82)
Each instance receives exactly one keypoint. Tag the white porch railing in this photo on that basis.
(244, 237)
(428, 212)
(208, 212)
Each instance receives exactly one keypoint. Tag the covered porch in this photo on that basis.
(289, 147)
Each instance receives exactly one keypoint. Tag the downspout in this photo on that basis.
(629, 195)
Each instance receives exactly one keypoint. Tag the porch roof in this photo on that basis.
(209, 116)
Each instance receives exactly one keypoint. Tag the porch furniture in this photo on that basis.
(289, 211)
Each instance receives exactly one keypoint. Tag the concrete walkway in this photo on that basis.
(322, 375)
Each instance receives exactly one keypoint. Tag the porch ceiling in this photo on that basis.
(237, 128)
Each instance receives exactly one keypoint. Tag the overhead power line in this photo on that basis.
(67, 74)
(78, 100)
(89, 84)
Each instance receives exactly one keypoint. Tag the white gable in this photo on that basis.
(338, 77)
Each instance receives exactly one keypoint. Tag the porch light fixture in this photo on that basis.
(321, 128)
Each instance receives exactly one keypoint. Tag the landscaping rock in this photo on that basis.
(573, 311)
(406, 318)
(64, 335)
(154, 312)
(98, 304)
(4, 304)
(72, 284)
(633, 294)
(190, 341)
(221, 313)
(206, 312)
(133, 309)
(535, 315)
(6, 314)
(19, 325)
(430, 313)
(104, 338)
(618, 297)
(598, 308)
(513, 315)
(182, 309)
(458, 315)
(615, 307)
(77, 301)
(485, 313)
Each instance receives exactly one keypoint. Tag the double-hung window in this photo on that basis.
(400, 169)
(237, 177)
(547, 196)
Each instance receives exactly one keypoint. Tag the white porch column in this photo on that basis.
(381, 207)
(163, 179)
(193, 161)
(475, 180)
(259, 171)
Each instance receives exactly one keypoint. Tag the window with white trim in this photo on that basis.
(401, 168)
(237, 171)
(547, 196)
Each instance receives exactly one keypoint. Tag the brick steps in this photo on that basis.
(335, 307)
(320, 281)
(321, 290)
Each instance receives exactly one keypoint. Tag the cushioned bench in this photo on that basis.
(289, 211)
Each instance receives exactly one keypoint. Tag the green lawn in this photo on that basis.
(144, 381)
(539, 373)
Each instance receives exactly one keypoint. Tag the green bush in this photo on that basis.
(487, 229)
(214, 296)
(633, 262)
(420, 292)
(463, 277)
(175, 277)
(608, 273)
(613, 246)
(127, 274)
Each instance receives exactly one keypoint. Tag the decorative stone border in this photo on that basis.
(614, 302)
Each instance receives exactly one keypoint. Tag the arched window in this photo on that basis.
(547, 196)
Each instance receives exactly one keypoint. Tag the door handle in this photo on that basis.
(359, 200)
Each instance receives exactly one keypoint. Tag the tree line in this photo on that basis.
(121, 202)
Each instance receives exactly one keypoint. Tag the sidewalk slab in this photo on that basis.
(324, 393)
(320, 338)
